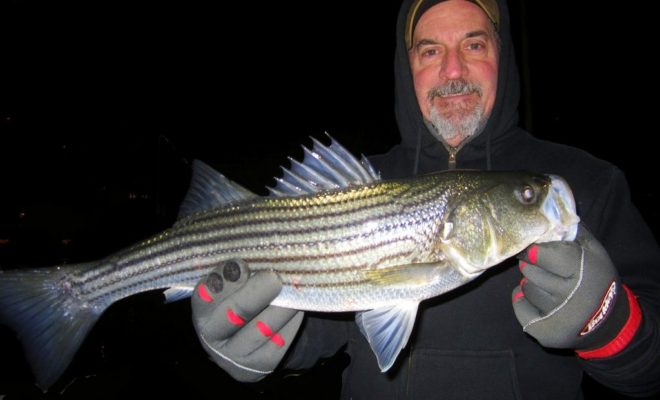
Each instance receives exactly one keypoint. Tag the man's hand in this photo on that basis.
(242, 333)
(571, 297)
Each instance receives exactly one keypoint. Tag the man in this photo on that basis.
(580, 307)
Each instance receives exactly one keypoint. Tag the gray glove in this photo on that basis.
(237, 327)
(571, 295)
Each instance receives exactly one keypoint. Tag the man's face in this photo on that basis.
(454, 62)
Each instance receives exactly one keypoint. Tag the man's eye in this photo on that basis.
(476, 46)
(429, 52)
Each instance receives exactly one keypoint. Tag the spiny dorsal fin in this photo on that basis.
(210, 189)
(324, 167)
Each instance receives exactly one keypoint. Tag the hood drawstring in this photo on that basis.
(488, 162)
(418, 150)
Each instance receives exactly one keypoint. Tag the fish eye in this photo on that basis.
(527, 194)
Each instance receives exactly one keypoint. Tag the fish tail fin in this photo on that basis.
(49, 320)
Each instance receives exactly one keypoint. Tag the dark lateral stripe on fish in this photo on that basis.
(231, 240)
(177, 241)
(294, 273)
(228, 217)
(144, 274)
(185, 242)
(339, 201)
(310, 211)
(301, 244)
(102, 273)
(180, 243)
(317, 257)
(347, 253)
(250, 221)
(272, 261)
(326, 285)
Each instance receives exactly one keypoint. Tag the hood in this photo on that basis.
(503, 121)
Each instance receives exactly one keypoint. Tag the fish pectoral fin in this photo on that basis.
(387, 330)
(176, 293)
(409, 274)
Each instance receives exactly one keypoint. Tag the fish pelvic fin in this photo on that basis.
(387, 330)
(177, 293)
(49, 321)
(210, 189)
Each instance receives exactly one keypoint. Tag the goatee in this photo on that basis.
(463, 120)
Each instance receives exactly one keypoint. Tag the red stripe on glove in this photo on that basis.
(204, 294)
(533, 254)
(264, 329)
(277, 339)
(518, 296)
(234, 318)
(625, 336)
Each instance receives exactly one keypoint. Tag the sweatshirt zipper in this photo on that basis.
(452, 157)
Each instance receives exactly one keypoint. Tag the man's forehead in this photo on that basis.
(419, 7)
(458, 21)
(445, 25)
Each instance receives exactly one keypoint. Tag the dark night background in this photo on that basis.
(104, 104)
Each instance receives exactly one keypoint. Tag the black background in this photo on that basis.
(104, 105)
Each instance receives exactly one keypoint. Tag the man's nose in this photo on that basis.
(454, 65)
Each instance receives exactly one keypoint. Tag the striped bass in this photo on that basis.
(338, 237)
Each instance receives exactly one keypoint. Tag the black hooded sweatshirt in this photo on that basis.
(468, 344)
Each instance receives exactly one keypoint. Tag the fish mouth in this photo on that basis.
(559, 208)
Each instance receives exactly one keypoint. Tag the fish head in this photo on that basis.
(503, 214)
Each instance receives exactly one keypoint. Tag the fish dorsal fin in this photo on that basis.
(324, 167)
(210, 189)
(387, 330)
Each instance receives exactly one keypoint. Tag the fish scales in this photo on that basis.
(367, 229)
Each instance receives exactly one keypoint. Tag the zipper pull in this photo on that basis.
(452, 157)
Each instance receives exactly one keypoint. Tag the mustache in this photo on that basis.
(454, 87)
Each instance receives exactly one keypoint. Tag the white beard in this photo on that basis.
(449, 129)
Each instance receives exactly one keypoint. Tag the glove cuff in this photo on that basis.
(624, 336)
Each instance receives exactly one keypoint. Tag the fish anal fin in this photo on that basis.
(387, 330)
